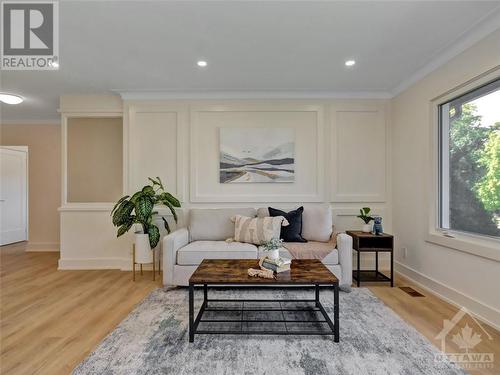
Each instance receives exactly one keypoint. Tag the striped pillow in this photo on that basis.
(257, 230)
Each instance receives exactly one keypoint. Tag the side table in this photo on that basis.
(364, 242)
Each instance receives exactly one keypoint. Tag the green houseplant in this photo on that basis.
(139, 209)
(272, 248)
(365, 216)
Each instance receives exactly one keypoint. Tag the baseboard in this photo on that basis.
(122, 264)
(483, 312)
(42, 246)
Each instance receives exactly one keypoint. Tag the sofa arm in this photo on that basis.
(344, 247)
(171, 243)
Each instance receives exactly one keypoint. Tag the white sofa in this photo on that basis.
(203, 235)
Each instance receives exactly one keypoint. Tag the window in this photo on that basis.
(469, 162)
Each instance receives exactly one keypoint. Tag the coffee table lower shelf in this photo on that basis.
(312, 306)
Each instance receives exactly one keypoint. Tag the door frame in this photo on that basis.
(26, 210)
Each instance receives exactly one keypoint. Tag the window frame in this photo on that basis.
(474, 243)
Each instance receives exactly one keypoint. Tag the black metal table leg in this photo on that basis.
(191, 312)
(317, 295)
(392, 268)
(205, 293)
(336, 337)
(376, 263)
(358, 278)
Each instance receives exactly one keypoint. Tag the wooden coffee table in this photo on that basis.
(222, 273)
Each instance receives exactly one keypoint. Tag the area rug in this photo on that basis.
(153, 339)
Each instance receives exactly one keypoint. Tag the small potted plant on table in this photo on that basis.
(272, 248)
(365, 216)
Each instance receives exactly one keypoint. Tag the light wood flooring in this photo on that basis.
(51, 320)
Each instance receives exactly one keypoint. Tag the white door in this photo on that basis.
(13, 194)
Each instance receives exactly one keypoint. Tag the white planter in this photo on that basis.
(273, 254)
(367, 228)
(143, 253)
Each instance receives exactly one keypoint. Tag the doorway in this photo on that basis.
(13, 194)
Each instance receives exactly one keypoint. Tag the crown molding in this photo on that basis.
(479, 30)
(270, 94)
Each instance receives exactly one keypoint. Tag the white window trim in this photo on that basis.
(483, 246)
(444, 146)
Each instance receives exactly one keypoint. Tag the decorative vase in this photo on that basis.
(367, 228)
(143, 253)
(273, 254)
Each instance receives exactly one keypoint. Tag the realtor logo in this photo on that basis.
(458, 333)
(30, 35)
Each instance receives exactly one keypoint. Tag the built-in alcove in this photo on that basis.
(94, 159)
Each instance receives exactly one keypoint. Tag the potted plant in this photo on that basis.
(272, 248)
(138, 209)
(365, 216)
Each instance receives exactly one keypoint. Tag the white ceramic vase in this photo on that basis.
(273, 254)
(143, 253)
(367, 228)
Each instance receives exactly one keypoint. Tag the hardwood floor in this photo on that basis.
(51, 320)
(426, 314)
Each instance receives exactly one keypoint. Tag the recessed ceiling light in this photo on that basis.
(202, 63)
(10, 98)
(350, 63)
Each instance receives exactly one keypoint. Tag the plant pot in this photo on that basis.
(273, 254)
(143, 252)
(367, 228)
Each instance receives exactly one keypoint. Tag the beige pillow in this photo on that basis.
(257, 230)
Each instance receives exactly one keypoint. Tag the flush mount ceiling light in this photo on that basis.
(202, 63)
(350, 63)
(10, 98)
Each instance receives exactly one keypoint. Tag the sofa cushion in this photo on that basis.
(332, 258)
(263, 212)
(214, 224)
(193, 253)
(323, 251)
(257, 230)
(317, 223)
(293, 231)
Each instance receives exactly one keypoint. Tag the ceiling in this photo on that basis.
(253, 49)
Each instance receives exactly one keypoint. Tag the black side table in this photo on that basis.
(369, 243)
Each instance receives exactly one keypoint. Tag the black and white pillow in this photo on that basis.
(293, 231)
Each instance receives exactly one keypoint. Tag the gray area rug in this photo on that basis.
(153, 339)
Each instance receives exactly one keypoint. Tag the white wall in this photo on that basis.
(44, 180)
(463, 278)
(342, 157)
(354, 153)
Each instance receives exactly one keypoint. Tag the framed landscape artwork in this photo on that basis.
(257, 155)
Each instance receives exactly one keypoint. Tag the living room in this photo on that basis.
(194, 187)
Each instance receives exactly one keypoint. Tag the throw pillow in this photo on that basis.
(257, 230)
(292, 232)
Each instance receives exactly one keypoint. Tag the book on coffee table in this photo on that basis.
(277, 265)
